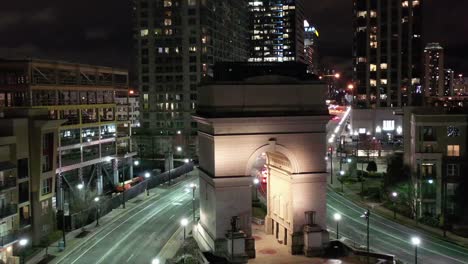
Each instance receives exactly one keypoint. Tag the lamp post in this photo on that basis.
(23, 242)
(330, 154)
(155, 261)
(147, 176)
(366, 215)
(98, 208)
(337, 218)
(394, 198)
(184, 223)
(256, 181)
(415, 241)
(194, 187)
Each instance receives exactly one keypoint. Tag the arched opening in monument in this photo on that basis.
(273, 169)
(259, 172)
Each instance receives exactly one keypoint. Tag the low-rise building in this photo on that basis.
(75, 138)
(436, 151)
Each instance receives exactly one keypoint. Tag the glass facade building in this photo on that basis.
(177, 44)
(387, 52)
(276, 31)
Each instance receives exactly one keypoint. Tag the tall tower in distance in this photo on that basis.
(387, 53)
(177, 43)
(276, 31)
(311, 52)
(434, 70)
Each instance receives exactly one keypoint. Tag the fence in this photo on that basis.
(87, 216)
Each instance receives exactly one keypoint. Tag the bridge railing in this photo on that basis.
(106, 205)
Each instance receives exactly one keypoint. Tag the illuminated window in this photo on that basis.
(383, 81)
(453, 150)
(167, 22)
(145, 101)
(373, 83)
(383, 66)
(373, 67)
(362, 59)
(144, 32)
(388, 125)
(167, 3)
(361, 14)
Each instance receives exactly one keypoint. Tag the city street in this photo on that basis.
(140, 235)
(389, 237)
(386, 236)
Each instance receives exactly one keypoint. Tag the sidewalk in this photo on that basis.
(73, 241)
(269, 251)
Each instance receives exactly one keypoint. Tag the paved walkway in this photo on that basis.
(269, 251)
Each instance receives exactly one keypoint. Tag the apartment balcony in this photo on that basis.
(8, 210)
(8, 238)
(7, 184)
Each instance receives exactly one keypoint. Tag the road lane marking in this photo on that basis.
(392, 236)
(175, 187)
(171, 217)
(130, 257)
(440, 243)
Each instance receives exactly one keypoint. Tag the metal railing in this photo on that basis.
(7, 184)
(87, 216)
(8, 210)
(8, 238)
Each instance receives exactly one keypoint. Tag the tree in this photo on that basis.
(407, 197)
(397, 171)
(371, 166)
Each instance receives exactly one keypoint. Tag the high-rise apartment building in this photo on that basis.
(311, 53)
(76, 139)
(434, 70)
(449, 82)
(387, 53)
(276, 31)
(177, 44)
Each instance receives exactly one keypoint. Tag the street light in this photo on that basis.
(430, 181)
(184, 223)
(179, 149)
(80, 186)
(415, 241)
(194, 187)
(155, 261)
(136, 162)
(96, 200)
(366, 215)
(23, 242)
(342, 173)
(337, 218)
(186, 160)
(256, 181)
(395, 196)
(349, 160)
(147, 176)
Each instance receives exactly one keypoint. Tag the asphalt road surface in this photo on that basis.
(141, 234)
(389, 237)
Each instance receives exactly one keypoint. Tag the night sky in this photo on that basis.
(99, 31)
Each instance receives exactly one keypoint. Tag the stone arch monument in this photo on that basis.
(283, 119)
